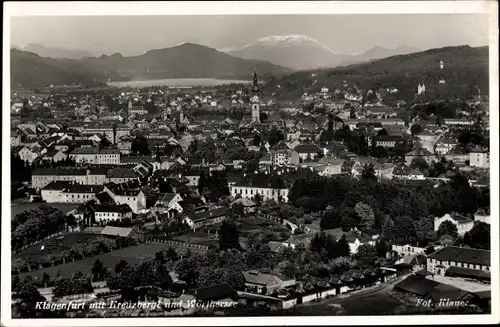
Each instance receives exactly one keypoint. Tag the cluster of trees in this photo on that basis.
(151, 272)
(140, 145)
(25, 295)
(78, 284)
(328, 246)
(398, 209)
(33, 225)
(213, 267)
(73, 252)
(213, 186)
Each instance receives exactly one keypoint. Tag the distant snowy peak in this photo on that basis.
(289, 41)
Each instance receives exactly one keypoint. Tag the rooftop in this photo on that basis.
(461, 254)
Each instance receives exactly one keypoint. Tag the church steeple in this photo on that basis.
(255, 88)
(255, 100)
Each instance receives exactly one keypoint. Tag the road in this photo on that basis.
(335, 304)
(47, 291)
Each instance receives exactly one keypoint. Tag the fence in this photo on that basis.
(39, 241)
(177, 244)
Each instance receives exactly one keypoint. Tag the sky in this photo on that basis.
(133, 35)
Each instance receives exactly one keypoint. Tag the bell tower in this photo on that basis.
(255, 100)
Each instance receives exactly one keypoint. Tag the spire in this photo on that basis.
(255, 88)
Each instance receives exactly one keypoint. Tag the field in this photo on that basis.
(133, 255)
(54, 245)
(250, 225)
(19, 206)
(201, 238)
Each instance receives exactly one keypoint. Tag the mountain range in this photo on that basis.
(184, 61)
(43, 51)
(301, 52)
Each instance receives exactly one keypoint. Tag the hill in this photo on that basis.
(30, 70)
(187, 60)
(465, 69)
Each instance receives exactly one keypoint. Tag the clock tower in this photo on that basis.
(255, 100)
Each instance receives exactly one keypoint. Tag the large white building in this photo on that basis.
(462, 223)
(460, 261)
(267, 186)
(479, 158)
(41, 177)
(69, 192)
(96, 156)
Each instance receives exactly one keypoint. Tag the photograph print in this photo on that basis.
(235, 165)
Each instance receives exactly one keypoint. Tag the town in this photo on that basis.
(229, 195)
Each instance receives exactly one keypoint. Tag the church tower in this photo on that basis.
(255, 100)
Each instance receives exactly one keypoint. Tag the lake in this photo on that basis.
(177, 82)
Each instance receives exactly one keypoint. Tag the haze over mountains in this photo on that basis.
(301, 52)
(43, 51)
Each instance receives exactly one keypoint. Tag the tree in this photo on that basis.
(159, 256)
(140, 145)
(27, 295)
(368, 173)
(81, 283)
(344, 250)
(121, 265)
(381, 248)
(479, 236)
(228, 236)
(62, 286)
(98, 270)
(419, 163)
(447, 228)
(45, 279)
(365, 213)
(367, 255)
(415, 129)
(172, 254)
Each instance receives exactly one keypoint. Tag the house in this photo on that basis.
(169, 203)
(206, 218)
(108, 157)
(445, 143)
(427, 139)
(28, 155)
(41, 177)
(193, 177)
(354, 238)
(84, 155)
(479, 157)
(119, 231)
(15, 138)
(404, 172)
(387, 141)
(265, 284)
(467, 262)
(248, 205)
(420, 153)
(417, 261)
(283, 157)
(121, 175)
(308, 151)
(458, 121)
(428, 289)
(122, 194)
(216, 293)
(482, 215)
(53, 155)
(106, 212)
(463, 224)
(267, 186)
(77, 193)
(407, 249)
